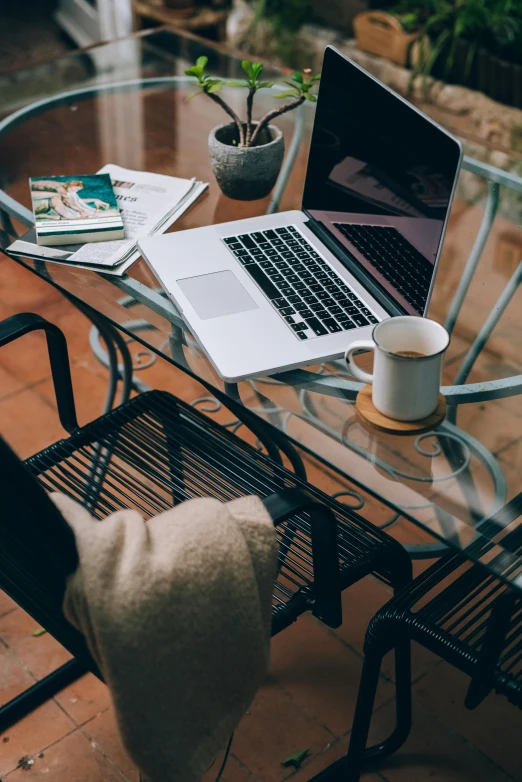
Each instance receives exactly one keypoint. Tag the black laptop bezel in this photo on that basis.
(341, 252)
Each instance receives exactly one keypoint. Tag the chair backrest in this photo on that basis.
(37, 550)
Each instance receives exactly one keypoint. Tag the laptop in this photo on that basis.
(271, 293)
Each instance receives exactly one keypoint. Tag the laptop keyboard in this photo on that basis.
(399, 262)
(306, 292)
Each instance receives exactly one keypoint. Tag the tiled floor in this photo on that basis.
(308, 700)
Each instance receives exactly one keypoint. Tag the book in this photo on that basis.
(149, 204)
(74, 209)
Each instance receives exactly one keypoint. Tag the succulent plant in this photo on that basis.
(299, 88)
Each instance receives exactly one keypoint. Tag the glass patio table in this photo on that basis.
(125, 102)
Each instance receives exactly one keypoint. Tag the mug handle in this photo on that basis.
(367, 344)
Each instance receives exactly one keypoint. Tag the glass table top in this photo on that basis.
(448, 481)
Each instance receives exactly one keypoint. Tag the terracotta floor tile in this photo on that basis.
(29, 423)
(166, 377)
(319, 762)
(512, 455)
(73, 759)
(234, 771)
(74, 325)
(6, 604)
(41, 654)
(26, 359)
(103, 732)
(84, 699)
(494, 728)
(32, 735)
(9, 384)
(432, 753)
(14, 676)
(310, 767)
(320, 673)
(89, 388)
(360, 603)
(23, 291)
(274, 728)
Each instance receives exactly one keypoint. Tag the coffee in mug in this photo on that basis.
(408, 356)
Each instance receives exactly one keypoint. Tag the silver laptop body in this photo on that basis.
(271, 293)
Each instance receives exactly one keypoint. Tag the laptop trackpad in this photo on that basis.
(217, 294)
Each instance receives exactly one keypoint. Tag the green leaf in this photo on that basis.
(201, 62)
(236, 83)
(317, 77)
(39, 632)
(248, 68)
(287, 94)
(214, 87)
(194, 71)
(296, 76)
(312, 98)
(296, 760)
(194, 94)
(265, 85)
(257, 68)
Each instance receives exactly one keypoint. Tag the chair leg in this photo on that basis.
(348, 769)
(362, 717)
(35, 696)
(401, 577)
(403, 710)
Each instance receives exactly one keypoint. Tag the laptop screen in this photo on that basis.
(380, 180)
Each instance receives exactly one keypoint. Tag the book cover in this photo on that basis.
(75, 209)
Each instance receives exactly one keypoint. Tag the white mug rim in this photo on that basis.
(410, 358)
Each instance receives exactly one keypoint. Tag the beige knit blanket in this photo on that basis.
(176, 612)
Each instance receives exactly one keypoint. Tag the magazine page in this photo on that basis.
(144, 199)
(26, 246)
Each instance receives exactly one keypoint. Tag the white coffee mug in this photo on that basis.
(407, 368)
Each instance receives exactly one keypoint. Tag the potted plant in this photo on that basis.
(470, 42)
(246, 156)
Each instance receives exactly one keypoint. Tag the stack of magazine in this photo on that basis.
(149, 204)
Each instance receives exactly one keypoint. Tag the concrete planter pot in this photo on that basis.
(245, 173)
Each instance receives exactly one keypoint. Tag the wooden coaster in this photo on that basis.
(371, 415)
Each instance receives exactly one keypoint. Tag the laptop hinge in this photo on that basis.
(343, 255)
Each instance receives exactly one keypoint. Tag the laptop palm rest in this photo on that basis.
(216, 295)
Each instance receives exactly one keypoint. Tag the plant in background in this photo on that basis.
(413, 14)
(505, 30)
(249, 133)
(273, 30)
(495, 25)
(285, 15)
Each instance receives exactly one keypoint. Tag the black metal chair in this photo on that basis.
(149, 454)
(462, 612)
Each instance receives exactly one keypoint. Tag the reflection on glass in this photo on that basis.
(380, 180)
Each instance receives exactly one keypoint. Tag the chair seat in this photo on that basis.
(156, 451)
(447, 609)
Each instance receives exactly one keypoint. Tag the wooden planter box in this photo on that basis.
(380, 33)
(499, 79)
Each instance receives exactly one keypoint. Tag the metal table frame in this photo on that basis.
(457, 445)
